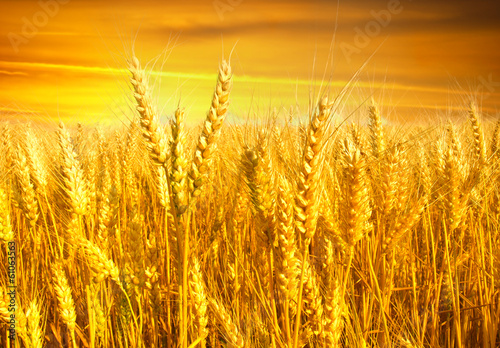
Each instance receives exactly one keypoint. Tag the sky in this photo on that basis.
(419, 59)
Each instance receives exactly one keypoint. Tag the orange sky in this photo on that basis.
(66, 59)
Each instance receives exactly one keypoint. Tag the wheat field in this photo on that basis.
(272, 234)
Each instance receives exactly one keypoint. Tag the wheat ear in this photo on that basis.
(75, 185)
(495, 141)
(29, 202)
(4, 308)
(151, 129)
(306, 213)
(38, 168)
(66, 303)
(179, 163)
(355, 207)
(306, 202)
(377, 130)
(211, 129)
(6, 231)
(479, 145)
(334, 314)
(198, 300)
(34, 328)
(99, 261)
(231, 331)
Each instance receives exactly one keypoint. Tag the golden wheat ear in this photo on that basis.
(178, 175)
(477, 131)
(377, 137)
(65, 298)
(230, 329)
(148, 116)
(6, 231)
(306, 213)
(211, 129)
(355, 207)
(75, 185)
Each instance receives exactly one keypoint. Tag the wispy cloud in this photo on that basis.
(13, 73)
(211, 77)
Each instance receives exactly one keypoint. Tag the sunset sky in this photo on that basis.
(66, 59)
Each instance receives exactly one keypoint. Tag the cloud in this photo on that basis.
(13, 73)
(251, 27)
(428, 15)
